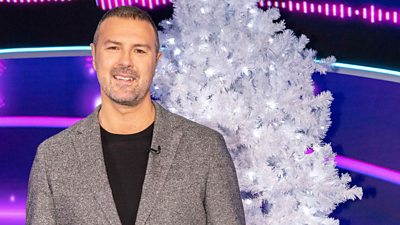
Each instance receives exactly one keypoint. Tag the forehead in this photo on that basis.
(126, 29)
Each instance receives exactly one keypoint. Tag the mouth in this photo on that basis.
(124, 78)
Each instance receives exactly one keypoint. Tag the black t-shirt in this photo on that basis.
(126, 158)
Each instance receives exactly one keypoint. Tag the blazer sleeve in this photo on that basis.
(222, 202)
(39, 207)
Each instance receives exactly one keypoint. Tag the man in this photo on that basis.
(131, 161)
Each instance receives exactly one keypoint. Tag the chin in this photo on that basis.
(127, 101)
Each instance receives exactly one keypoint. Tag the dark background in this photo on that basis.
(68, 24)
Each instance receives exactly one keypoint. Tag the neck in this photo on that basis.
(121, 119)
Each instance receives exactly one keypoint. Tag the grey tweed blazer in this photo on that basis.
(192, 180)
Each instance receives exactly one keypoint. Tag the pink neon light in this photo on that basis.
(110, 4)
(327, 9)
(341, 11)
(334, 10)
(368, 169)
(12, 214)
(370, 13)
(37, 121)
(364, 13)
(32, 1)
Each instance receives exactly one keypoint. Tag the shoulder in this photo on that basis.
(195, 128)
(62, 141)
(190, 128)
(196, 140)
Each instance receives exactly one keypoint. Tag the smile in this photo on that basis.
(123, 78)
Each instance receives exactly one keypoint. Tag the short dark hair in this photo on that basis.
(128, 12)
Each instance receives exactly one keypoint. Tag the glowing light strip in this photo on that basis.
(366, 71)
(368, 169)
(372, 13)
(110, 4)
(32, 1)
(367, 68)
(37, 121)
(63, 122)
(12, 214)
(12, 53)
(44, 49)
(61, 51)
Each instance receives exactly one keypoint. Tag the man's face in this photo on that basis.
(125, 58)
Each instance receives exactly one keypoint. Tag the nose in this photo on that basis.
(125, 58)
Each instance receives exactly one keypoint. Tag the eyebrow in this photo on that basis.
(119, 43)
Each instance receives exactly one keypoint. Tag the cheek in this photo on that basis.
(103, 62)
(103, 72)
(149, 68)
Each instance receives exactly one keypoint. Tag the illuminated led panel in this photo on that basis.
(109, 4)
(370, 13)
(32, 1)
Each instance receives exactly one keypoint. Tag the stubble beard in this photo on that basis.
(136, 96)
(126, 95)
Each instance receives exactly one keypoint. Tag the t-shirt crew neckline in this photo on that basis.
(140, 134)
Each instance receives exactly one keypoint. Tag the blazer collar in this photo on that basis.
(166, 137)
(87, 143)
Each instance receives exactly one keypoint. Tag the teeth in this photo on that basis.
(123, 78)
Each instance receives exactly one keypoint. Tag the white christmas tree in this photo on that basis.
(233, 67)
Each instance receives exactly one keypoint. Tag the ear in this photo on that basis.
(159, 54)
(92, 46)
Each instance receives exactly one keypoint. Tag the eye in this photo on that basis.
(112, 48)
(139, 51)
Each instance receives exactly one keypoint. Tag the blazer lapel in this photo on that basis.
(166, 136)
(87, 143)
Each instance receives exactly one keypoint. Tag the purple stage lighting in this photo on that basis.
(32, 1)
(368, 169)
(2, 66)
(2, 69)
(12, 214)
(110, 4)
(37, 121)
(371, 13)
